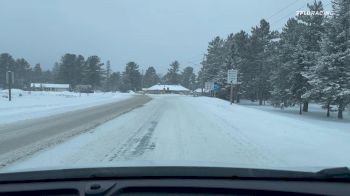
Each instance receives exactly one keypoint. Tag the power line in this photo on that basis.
(284, 8)
(289, 15)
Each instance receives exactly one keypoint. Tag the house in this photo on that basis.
(167, 89)
(200, 91)
(49, 87)
(83, 88)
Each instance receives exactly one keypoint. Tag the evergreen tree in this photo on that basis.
(173, 76)
(151, 78)
(312, 30)
(93, 71)
(214, 60)
(37, 73)
(188, 78)
(131, 78)
(108, 72)
(330, 77)
(78, 71)
(260, 68)
(114, 81)
(7, 63)
(70, 69)
(55, 72)
(23, 73)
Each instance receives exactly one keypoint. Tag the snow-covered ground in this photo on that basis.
(184, 130)
(28, 105)
(315, 111)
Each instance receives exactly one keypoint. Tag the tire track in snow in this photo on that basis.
(141, 141)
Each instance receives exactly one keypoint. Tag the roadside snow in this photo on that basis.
(34, 104)
(170, 87)
(186, 131)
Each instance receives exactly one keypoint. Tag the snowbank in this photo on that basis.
(167, 87)
(28, 105)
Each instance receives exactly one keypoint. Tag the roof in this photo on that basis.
(171, 88)
(44, 85)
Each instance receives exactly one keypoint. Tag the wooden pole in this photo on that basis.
(231, 94)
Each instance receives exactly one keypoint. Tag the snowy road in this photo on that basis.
(20, 139)
(184, 130)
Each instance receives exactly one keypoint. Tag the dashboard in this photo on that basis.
(128, 187)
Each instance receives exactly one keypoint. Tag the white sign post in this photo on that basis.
(232, 79)
(232, 76)
(208, 86)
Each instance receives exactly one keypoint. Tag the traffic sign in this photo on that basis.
(10, 80)
(10, 77)
(232, 76)
(209, 86)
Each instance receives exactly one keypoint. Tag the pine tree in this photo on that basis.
(23, 72)
(330, 77)
(6, 64)
(93, 71)
(312, 29)
(37, 73)
(173, 76)
(188, 78)
(150, 78)
(114, 81)
(108, 72)
(289, 85)
(240, 60)
(131, 78)
(214, 60)
(259, 67)
(67, 69)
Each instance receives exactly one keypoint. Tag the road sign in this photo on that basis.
(10, 80)
(209, 86)
(216, 87)
(10, 77)
(232, 76)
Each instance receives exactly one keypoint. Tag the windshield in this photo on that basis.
(239, 84)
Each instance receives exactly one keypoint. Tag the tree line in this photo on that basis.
(309, 60)
(75, 69)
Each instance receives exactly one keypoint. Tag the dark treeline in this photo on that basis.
(77, 70)
(308, 61)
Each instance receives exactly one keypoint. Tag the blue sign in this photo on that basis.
(216, 87)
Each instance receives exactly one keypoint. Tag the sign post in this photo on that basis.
(231, 79)
(10, 80)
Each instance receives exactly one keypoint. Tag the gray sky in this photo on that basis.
(149, 32)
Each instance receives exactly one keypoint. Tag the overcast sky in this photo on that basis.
(149, 32)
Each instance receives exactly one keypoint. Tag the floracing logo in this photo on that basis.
(314, 13)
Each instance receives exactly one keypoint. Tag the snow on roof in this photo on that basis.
(166, 87)
(276, 39)
(42, 85)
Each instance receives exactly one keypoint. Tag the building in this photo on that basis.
(166, 89)
(200, 91)
(84, 88)
(49, 87)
